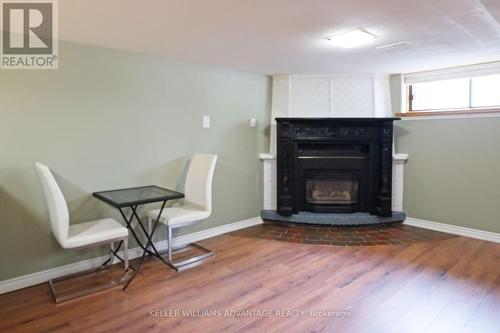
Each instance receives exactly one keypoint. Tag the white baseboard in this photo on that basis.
(453, 229)
(46, 275)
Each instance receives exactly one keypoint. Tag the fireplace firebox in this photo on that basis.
(331, 192)
(334, 165)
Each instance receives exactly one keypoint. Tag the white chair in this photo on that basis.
(196, 208)
(79, 235)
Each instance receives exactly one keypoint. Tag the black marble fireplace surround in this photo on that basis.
(334, 171)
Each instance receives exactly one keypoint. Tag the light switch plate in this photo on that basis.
(206, 121)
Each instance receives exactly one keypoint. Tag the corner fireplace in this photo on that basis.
(334, 165)
(332, 191)
(328, 192)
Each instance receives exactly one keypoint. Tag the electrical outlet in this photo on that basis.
(206, 121)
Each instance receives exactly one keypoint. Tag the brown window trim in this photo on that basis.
(448, 112)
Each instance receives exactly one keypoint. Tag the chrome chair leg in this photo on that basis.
(125, 254)
(169, 244)
(150, 228)
(111, 253)
(113, 283)
(150, 225)
(186, 263)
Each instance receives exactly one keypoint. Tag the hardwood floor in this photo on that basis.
(445, 285)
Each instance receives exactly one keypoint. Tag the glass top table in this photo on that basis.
(137, 196)
(132, 198)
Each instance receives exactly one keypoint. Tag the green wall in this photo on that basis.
(453, 172)
(108, 119)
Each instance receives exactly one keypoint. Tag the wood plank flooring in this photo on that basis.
(445, 285)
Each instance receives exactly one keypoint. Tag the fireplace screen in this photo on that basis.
(332, 191)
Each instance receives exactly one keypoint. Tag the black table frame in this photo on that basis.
(133, 205)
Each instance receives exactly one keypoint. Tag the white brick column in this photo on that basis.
(398, 170)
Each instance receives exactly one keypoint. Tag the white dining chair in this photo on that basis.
(81, 235)
(197, 207)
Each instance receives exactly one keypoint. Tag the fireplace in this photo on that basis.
(331, 193)
(332, 177)
(334, 165)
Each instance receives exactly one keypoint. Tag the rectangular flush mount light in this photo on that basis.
(351, 39)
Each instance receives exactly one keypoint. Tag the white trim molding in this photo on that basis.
(52, 273)
(454, 229)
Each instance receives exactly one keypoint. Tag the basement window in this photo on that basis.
(472, 89)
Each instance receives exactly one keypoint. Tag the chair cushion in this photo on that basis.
(179, 215)
(92, 232)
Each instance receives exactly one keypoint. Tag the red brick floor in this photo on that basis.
(384, 234)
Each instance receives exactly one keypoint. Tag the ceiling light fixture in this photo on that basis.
(352, 39)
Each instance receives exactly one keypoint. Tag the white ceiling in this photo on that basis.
(286, 36)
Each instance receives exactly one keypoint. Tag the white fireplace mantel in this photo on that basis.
(270, 180)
